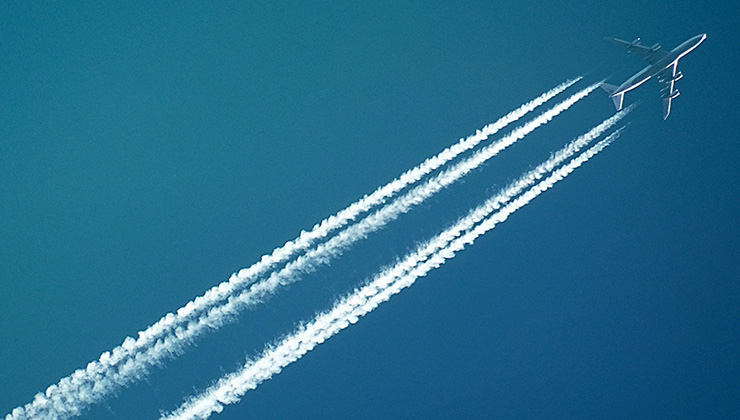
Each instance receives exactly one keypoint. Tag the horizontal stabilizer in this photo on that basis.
(618, 99)
(608, 88)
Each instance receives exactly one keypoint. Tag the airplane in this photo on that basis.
(662, 65)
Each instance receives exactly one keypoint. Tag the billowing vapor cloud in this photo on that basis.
(427, 256)
(167, 337)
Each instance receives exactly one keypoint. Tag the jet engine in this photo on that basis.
(675, 94)
(635, 43)
(678, 76)
(655, 47)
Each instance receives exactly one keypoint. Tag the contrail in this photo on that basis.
(87, 386)
(428, 256)
(218, 316)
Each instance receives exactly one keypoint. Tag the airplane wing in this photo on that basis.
(650, 54)
(667, 79)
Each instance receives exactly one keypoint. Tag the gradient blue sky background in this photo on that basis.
(148, 151)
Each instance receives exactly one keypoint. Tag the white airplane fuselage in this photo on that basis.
(653, 69)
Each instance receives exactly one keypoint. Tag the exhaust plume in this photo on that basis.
(429, 255)
(131, 360)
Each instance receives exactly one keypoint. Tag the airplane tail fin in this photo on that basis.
(618, 99)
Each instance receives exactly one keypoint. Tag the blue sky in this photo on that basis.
(148, 152)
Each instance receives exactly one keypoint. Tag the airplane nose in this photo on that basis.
(697, 39)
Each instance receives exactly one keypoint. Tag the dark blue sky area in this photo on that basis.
(147, 152)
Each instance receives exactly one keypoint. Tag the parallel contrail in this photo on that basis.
(219, 315)
(428, 256)
(125, 363)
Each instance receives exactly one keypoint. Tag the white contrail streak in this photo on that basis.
(124, 363)
(218, 316)
(428, 256)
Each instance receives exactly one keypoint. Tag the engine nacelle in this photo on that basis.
(635, 43)
(655, 47)
(678, 77)
(675, 94)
